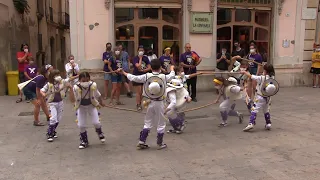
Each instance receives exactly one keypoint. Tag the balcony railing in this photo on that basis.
(247, 2)
(64, 20)
(51, 14)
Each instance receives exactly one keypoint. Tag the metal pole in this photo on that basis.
(317, 38)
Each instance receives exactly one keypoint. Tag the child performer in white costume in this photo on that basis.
(154, 88)
(242, 82)
(54, 89)
(266, 88)
(87, 99)
(181, 76)
(176, 96)
(230, 92)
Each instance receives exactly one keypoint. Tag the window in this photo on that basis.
(171, 15)
(124, 14)
(148, 13)
(224, 33)
(261, 34)
(170, 33)
(262, 18)
(67, 6)
(243, 15)
(125, 32)
(224, 16)
(148, 38)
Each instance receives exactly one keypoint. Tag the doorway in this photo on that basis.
(148, 38)
(244, 35)
(154, 28)
(244, 25)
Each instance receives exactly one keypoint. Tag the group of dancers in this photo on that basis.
(167, 98)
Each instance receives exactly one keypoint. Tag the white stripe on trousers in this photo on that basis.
(56, 110)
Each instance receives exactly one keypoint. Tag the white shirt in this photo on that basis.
(152, 57)
(69, 70)
(143, 78)
(173, 100)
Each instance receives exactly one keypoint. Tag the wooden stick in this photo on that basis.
(221, 72)
(124, 109)
(196, 108)
(252, 61)
(97, 72)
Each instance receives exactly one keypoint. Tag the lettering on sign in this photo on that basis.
(201, 22)
(309, 13)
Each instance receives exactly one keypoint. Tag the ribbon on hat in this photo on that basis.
(218, 81)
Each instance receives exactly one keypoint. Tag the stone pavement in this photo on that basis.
(290, 151)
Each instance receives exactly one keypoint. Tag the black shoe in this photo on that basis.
(55, 134)
(129, 95)
(139, 107)
(194, 100)
(49, 137)
(83, 145)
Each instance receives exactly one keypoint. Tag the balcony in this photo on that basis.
(51, 14)
(64, 20)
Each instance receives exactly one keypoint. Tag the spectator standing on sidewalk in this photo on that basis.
(315, 67)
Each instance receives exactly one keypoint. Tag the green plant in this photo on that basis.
(22, 6)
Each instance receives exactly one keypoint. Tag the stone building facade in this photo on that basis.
(45, 28)
(284, 29)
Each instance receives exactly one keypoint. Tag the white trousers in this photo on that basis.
(261, 102)
(226, 105)
(87, 112)
(155, 116)
(56, 109)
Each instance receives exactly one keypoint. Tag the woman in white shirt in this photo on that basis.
(151, 56)
(72, 70)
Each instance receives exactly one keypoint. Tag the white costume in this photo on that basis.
(229, 93)
(241, 78)
(176, 97)
(183, 78)
(72, 71)
(55, 97)
(266, 88)
(152, 57)
(86, 104)
(154, 89)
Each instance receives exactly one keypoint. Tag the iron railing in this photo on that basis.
(64, 19)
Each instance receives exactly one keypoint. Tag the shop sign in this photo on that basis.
(201, 22)
(309, 13)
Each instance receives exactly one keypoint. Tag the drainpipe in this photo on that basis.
(318, 25)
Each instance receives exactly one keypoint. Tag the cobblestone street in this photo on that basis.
(290, 151)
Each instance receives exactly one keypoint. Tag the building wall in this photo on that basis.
(291, 63)
(309, 40)
(15, 30)
(292, 68)
(204, 44)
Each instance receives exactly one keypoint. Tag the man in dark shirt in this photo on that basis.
(107, 77)
(223, 61)
(237, 53)
(189, 65)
